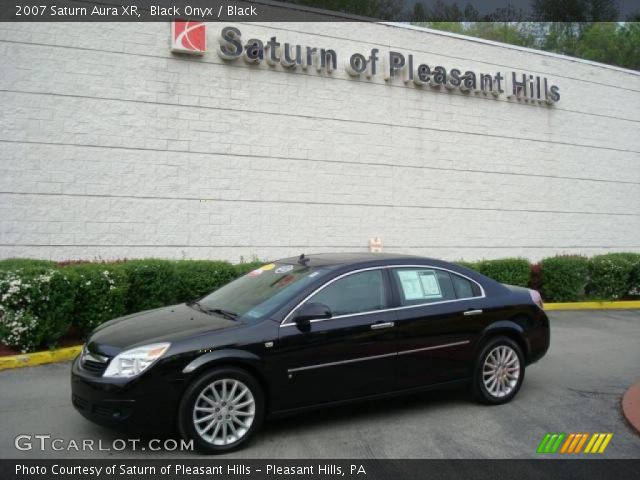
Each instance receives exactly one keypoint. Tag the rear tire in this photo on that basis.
(221, 410)
(499, 372)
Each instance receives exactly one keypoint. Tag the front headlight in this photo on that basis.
(135, 361)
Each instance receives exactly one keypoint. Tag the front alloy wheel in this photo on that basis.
(224, 411)
(221, 410)
(499, 371)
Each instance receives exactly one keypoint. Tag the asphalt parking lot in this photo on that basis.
(576, 387)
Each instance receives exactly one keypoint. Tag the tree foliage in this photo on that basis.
(379, 9)
(606, 42)
(570, 27)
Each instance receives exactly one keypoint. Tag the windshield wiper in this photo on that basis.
(198, 305)
(224, 313)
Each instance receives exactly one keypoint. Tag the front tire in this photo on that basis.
(221, 410)
(499, 372)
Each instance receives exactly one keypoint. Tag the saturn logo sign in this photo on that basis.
(188, 37)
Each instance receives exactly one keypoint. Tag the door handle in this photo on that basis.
(473, 312)
(380, 326)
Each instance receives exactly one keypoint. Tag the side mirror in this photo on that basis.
(311, 311)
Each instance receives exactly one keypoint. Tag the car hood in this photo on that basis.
(166, 324)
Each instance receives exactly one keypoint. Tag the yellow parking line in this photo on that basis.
(39, 358)
(624, 304)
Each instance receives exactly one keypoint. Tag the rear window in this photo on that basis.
(464, 287)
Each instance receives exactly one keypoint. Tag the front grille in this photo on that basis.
(97, 368)
(93, 363)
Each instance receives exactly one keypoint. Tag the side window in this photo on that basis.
(464, 288)
(360, 292)
(424, 285)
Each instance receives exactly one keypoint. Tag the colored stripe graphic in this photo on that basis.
(598, 443)
(550, 443)
(574, 442)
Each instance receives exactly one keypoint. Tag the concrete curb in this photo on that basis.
(621, 305)
(631, 406)
(39, 358)
(69, 353)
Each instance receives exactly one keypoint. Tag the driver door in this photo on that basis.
(348, 355)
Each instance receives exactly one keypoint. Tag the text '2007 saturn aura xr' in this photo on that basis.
(307, 332)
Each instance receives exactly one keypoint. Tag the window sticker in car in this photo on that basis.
(430, 286)
(410, 284)
(284, 268)
(419, 284)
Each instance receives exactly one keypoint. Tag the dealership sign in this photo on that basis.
(189, 37)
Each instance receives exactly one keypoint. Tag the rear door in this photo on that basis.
(349, 355)
(440, 312)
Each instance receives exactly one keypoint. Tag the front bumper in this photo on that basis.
(146, 403)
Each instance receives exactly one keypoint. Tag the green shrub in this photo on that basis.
(151, 284)
(513, 271)
(469, 265)
(36, 307)
(30, 263)
(199, 277)
(100, 291)
(613, 275)
(564, 278)
(634, 278)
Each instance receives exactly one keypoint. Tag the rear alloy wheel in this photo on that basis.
(221, 410)
(499, 371)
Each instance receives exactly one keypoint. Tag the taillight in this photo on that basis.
(537, 299)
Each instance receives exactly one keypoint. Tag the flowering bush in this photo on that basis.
(35, 306)
(100, 294)
(614, 275)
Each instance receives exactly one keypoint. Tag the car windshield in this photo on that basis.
(261, 291)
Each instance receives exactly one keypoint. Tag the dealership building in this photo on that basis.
(123, 140)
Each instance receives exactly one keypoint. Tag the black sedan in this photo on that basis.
(308, 332)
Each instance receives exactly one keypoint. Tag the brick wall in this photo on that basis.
(111, 147)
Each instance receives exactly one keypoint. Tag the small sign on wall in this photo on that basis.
(375, 244)
(188, 37)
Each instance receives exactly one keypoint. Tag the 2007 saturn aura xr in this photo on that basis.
(307, 332)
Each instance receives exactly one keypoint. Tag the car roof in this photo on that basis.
(354, 258)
